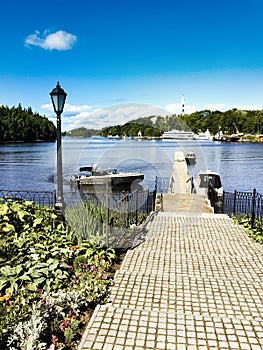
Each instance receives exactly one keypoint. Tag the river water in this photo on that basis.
(32, 167)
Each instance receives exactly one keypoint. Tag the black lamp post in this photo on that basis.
(58, 97)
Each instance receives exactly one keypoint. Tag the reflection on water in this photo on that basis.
(33, 166)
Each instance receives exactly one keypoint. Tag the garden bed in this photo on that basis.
(51, 278)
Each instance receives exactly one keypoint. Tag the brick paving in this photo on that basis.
(186, 203)
(194, 283)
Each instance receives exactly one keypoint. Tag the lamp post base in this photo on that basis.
(59, 209)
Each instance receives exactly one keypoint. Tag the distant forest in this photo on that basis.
(229, 122)
(22, 125)
(82, 132)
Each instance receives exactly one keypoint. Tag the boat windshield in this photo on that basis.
(210, 180)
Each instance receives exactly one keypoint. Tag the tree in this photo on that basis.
(17, 124)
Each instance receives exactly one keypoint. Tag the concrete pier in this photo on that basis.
(186, 203)
(179, 198)
(180, 179)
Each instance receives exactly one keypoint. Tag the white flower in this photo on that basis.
(35, 256)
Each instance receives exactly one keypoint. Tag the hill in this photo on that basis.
(231, 121)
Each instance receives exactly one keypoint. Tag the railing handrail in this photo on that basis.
(38, 197)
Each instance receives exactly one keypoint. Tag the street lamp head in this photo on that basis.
(58, 98)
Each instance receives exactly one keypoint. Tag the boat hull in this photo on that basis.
(118, 182)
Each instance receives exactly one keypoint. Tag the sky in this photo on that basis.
(123, 59)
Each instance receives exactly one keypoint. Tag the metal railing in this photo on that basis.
(127, 206)
(162, 184)
(111, 215)
(42, 198)
(244, 203)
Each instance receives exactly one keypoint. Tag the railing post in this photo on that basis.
(234, 204)
(107, 205)
(223, 202)
(123, 209)
(137, 205)
(156, 184)
(55, 198)
(253, 207)
(127, 216)
(154, 196)
(147, 201)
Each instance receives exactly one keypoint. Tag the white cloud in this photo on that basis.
(59, 40)
(188, 109)
(76, 116)
(112, 115)
(83, 116)
(68, 108)
(215, 107)
(249, 107)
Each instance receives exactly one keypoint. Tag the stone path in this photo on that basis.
(195, 283)
(186, 203)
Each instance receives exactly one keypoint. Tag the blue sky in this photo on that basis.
(120, 59)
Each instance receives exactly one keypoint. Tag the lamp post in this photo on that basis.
(58, 98)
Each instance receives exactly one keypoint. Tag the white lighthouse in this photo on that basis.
(182, 104)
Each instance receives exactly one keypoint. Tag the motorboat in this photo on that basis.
(190, 158)
(209, 183)
(226, 138)
(93, 177)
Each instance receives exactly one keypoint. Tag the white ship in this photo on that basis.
(178, 135)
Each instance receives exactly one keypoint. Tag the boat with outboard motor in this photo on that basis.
(93, 177)
(190, 158)
(209, 183)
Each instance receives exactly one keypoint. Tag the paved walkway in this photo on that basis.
(186, 203)
(195, 283)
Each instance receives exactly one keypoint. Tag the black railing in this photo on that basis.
(244, 203)
(111, 215)
(162, 184)
(128, 205)
(42, 198)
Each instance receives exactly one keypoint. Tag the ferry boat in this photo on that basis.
(178, 135)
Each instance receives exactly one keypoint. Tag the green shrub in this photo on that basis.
(255, 231)
(49, 275)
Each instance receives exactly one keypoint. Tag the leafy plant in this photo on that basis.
(255, 231)
(49, 275)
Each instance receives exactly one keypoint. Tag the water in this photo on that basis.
(33, 166)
